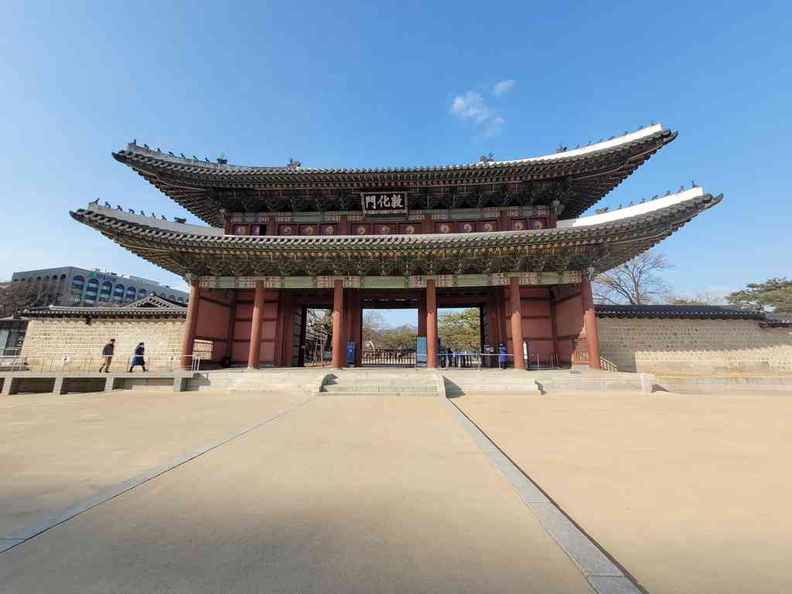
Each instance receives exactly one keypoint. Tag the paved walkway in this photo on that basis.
(339, 495)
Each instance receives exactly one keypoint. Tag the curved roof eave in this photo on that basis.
(192, 183)
(623, 236)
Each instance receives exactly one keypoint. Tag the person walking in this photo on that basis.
(107, 354)
(138, 359)
(502, 356)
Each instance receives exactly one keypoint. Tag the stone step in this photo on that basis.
(424, 394)
(389, 384)
(374, 388)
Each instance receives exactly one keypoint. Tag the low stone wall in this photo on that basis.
(657, 345)
(48, 340)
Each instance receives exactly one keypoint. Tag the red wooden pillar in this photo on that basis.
(188, 341)
(357, 329)
(503, 221)
(352, 321)
(279, 331)
(422, 314)
(339, 350)
(590, 324)
(431, 324)
(554, 324)
(229, 351)
(254, 354)
(516, 322)
(427, 224)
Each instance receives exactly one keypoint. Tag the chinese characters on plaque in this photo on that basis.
(383, 202)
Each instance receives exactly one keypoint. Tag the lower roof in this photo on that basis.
(583, 245)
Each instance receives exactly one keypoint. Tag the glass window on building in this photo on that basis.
(118, 293)
(107, 290)
(131, 293)
(142, 293)
(77, 285)
(91, 292)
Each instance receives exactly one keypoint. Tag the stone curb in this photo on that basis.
(599, 568)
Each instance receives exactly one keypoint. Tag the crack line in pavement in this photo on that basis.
(603, 572)
(25, 533)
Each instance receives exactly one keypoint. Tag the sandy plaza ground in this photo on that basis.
(382, 494)
(689, 492)
(391, 494)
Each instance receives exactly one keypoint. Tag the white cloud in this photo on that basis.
(503, 87)
(494, 126)
(471, 106)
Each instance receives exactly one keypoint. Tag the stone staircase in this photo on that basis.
(262, 381)
(362, 382)
(493, 381)
(461, 382)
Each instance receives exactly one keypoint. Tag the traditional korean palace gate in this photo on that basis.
(504, 236)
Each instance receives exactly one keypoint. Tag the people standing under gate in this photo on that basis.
(138, 359)
(107, 354)
(502, 356)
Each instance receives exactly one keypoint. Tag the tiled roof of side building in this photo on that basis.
(779, 320)
(677, 311)
(150, 306)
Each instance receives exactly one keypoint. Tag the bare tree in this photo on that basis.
(635, 282)
(374, 327)
(16, 296)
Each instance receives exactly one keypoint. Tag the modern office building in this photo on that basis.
(73, 286)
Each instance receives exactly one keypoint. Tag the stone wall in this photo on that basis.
(48, 340)
(657, 345)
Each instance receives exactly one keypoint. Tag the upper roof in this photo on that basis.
(605, 310)
(575, 179)
(577, 246)
(150, 306)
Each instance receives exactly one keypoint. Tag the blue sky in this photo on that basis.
(340, 84)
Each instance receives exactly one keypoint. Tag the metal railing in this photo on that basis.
(606, 365)
(537, 361)
(70, 364)
(477, 360)
(394, 357)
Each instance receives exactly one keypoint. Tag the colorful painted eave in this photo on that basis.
(587, 242)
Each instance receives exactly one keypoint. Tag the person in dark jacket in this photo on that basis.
(502, 356)
(107, 353)
(138, 359)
